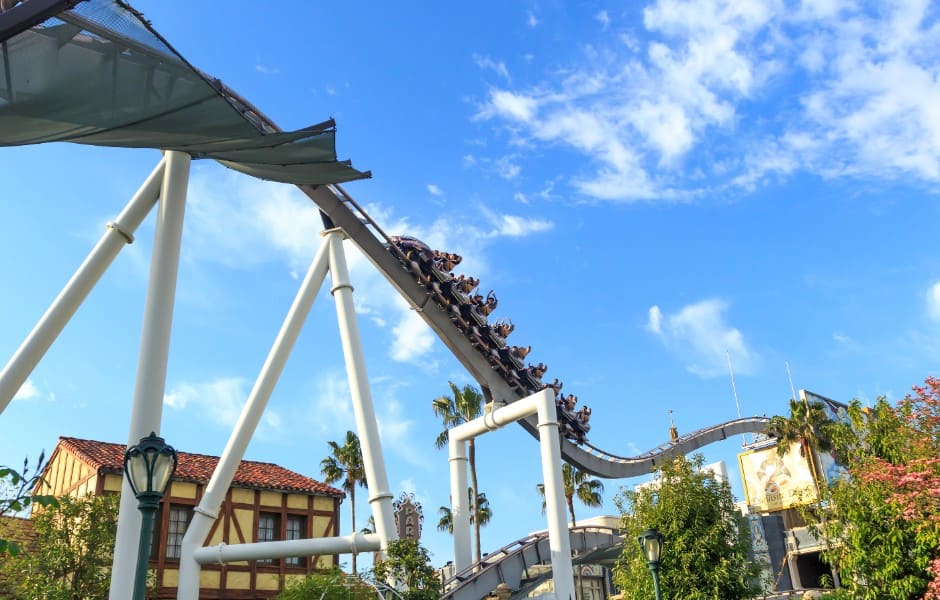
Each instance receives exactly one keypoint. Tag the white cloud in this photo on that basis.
(263, 68)
(413, 338)
(933, 301)
(220, 399)
(515, 226)
(699, 335)
(741, 91)
(520, 197)
(27, 391)
(603, 18)
(488, 64)
(532, 20)
(434, 190)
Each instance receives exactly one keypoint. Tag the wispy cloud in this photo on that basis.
(261, 67)
(852, 89)
(28, 391)
(488, 64)
(220, 399)
(434, 190)
(603, 18)
(699, 335)
(532, 20)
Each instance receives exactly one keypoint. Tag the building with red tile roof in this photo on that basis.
(265, 502)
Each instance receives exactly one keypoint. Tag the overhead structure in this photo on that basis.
(95, 72)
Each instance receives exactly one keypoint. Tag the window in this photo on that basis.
(296, 530)
(268, 528)
(176, 528)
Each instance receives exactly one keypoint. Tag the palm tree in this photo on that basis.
(463, 406)
(809, 425)
(345, 463)
(577, 484)
(446, 522)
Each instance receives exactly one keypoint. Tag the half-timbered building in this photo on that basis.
(265, 502)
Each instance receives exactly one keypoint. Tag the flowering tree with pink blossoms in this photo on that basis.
(883, 521)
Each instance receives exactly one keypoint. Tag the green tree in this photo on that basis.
(17, 494)
(446, 521)
(72, 555)
(330, 585)
(408, 564)
(883, 524)
(705, 552)
(577, 484)
(462, 406)
(345, 463)
(809, 426)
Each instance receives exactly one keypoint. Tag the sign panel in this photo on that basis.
(773, 483)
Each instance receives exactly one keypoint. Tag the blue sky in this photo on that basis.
(646, 188)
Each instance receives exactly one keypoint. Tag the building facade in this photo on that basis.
(265, 502)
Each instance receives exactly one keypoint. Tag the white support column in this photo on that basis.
(558, 539)
(150, 386)
(543, 404)
(119, 233)
(207, 511)
(459, 509)
(380, 498)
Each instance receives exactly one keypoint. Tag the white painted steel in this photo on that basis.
(224, 553)
(380, 498)
(559, 541)
(542, 404)
(50, 325)
(459, 511)
(207, 511)
(150, 387)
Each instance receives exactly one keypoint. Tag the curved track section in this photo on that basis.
(340, 210)
(344, 212)
(510, 564)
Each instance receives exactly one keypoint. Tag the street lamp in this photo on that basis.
(148, 466)
(651, 542)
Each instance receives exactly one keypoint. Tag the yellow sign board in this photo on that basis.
(773, 482)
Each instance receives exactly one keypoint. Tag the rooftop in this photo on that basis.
(108, 457)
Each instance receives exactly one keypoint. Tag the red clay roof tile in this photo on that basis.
(199, 467)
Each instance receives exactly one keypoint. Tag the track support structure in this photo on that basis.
(541, 404)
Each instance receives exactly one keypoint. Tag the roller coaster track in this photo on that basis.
(345, 213)
(510, 564)
(341, 210)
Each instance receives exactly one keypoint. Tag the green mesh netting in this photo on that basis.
(99, 74)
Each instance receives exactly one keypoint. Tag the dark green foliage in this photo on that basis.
(577, 484)
(71, 559)
(16, 495)
(409, 565)
(705, 552)
(345, 464)
(331, 585)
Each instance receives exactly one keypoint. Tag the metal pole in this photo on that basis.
(655, 570)
(459, 511)
(207, 511)
(119, 233)
(558, 538)
(380, 498)
(147, 510)
(150, 387)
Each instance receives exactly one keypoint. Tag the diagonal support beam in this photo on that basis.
(207, 511)
(120, 232)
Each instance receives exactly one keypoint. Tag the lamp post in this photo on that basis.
(148, 466)
(651, 542)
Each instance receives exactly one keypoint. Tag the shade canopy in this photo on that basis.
(99, 74)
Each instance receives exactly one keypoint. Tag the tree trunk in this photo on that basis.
(352, 512)
(474, 509)
(570, 501)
